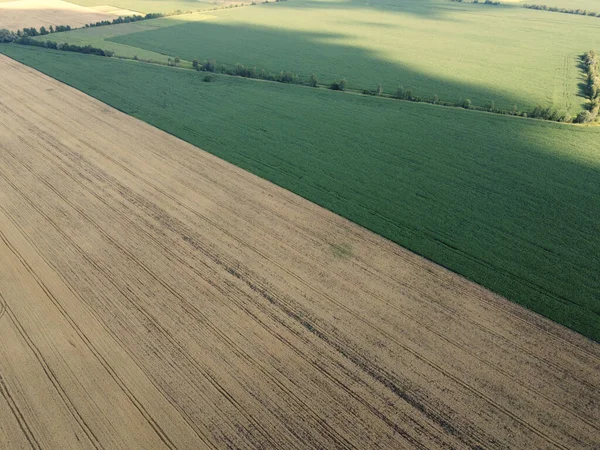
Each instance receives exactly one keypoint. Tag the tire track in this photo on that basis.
(67, 401)
(141, 231)
(398, 392)
(155, 426)
(131, 224)
(19, 417)
(152, 319)
(103, 324)
(2, 304)
(380, 330)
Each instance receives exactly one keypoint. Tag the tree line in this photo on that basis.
(240, 70)
(592, 88)
(477, 2)
(86, 49)
(580, 12)
(32, 31)
(125, 19)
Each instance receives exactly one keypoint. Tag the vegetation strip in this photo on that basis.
(578, 11)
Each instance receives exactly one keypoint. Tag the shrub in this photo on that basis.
(400, 92)
(583, 117)
(7, 36)
(339, 85)
(209, 66)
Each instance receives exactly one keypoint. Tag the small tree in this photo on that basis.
(408, 95)
(176, 61)
(436, 99)
(583, 117)
(379, 90)
(514, 110)
(400, 92)
(6, 35)
(209, 66)
(339, 85)
(195, 64)
(466, 103)
(43, 31)
(313, 80)
(51, 29)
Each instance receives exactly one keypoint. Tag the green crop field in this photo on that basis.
(511, 203)
(506, 54)
(97, 37)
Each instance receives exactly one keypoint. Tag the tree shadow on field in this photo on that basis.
(325, 54)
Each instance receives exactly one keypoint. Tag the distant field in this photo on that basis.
(510, 203)
(16, 15)
(97, 36)
(153, 6)
(505, 54)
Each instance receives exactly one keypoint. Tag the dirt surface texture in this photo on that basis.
(153, 296)
(37, 13)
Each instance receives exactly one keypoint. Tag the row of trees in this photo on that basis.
(592, 88)
(86, 49)
(486, 2)
(7, 36)
(252, 72)
(32, 31)
(403, 93)
(580, 12)
(125, 19)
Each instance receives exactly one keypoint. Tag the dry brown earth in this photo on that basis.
(154, 296)
(20, 14)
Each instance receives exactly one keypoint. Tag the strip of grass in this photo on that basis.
(510, 203)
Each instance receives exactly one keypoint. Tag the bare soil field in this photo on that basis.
(16, 15)
(154, 296)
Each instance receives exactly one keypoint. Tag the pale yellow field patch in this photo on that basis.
(37, 13)
(113, 10)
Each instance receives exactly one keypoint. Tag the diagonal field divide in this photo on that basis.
(158, 297)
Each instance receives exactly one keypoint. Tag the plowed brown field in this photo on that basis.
(152, 296)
